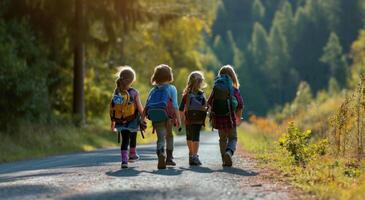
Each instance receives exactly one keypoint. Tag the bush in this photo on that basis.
(299, 145)
(23, 76)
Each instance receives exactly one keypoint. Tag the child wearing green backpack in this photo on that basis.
(162, 109)
(193, 109)
(125, 114)
(226, 105)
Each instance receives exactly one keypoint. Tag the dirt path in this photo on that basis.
(97, 175)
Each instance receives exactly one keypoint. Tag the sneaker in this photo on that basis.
(196, 160)
(133, 157)
(161, 161)
(169, 158)
(124, 165)
(191, 161)
(227, 159)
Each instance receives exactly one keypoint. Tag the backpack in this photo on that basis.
(224, 102)
(195, 111)
(122, 107)
(159, 106)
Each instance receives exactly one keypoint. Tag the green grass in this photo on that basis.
(36, 141)
(326, 177)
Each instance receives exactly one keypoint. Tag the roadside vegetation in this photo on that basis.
(317, 142)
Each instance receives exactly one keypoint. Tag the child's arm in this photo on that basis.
(112, 124)
(238, 116)
(240, 107)
(175, 105)
(182, 108)
(139, 105)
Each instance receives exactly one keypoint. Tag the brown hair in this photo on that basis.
(126, 76)
(161, 74)
(228, 70)
(195, 82)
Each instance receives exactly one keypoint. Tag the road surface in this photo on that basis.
(97, 175)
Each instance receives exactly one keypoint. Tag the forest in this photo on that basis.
(300, 62)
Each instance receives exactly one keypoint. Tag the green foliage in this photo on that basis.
(298, 144)
(23, 79)
(306, 41)
(258, 11)
(335, 59)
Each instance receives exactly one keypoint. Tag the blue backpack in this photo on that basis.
(159, 104)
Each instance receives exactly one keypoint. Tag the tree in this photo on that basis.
(259, 46)
(258, 11)
(79, 63)
(334, 58)
(358, 60)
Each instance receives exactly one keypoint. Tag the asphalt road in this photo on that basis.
(97, 175)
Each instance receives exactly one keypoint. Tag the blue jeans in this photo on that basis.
(164, 136)
(227, 140)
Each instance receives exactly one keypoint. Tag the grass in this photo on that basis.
(36, 141)
(326, 177)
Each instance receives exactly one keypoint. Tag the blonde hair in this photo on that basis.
(228, 70)
(161, 74)
(195, 82)
(126, 76)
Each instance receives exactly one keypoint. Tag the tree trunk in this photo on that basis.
(79, 64)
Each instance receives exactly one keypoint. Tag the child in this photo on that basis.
(162, 110)
(226, 106)
(125, 112)
(193, 108)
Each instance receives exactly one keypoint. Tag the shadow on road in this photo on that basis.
(16, 178)
(229, 170)
(131, 171)
(165, 193)
(22, 191)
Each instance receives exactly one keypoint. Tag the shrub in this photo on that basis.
(299, 145)
(23, 76)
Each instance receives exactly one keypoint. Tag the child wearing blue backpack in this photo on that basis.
(162, 109)
(193, 109)
(125, 114)
(226, 105)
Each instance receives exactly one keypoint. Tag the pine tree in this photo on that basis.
(334, 59)
(259, 46)
(258, 11)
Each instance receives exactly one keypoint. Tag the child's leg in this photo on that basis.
(169, 145)
(231, 134)
(222, 141)
(132, 146)
(161, 136)
(189, 139)
(160, 148)
(196, 138)
(169, 137)
(124, 148)
(232, 140)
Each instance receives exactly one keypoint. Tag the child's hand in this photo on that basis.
(143, 125)
(238, 121)
(178, 123)
(112, 126)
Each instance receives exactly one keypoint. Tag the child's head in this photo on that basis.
(162, 74)
(195, 82)
(126, 76)
(228, 70)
